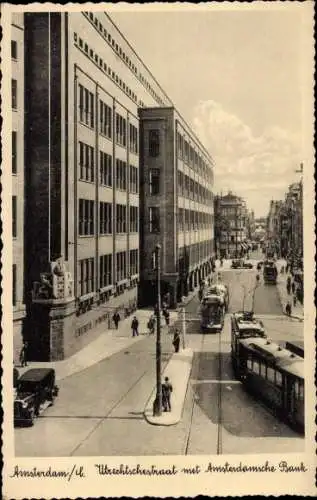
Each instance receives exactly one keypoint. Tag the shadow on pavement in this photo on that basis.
(225, 400)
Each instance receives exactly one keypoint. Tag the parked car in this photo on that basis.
(236, 264)
(35, 391)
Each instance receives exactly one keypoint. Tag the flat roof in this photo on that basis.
(36, 374)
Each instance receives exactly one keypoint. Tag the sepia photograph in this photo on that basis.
(158, 236)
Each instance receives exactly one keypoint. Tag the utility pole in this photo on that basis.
(157, 406)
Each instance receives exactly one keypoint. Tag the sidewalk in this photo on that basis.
(298, 310)
(178, 371)
(108, 343)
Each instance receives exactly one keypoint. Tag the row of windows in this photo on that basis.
(193, 190)
(86, 222)
(197, 252)
(187, 153)
(86, 270)
(87, 168)
(107, 36)
(190, 220)
(271, 374)
(104, 67)
(87, 116)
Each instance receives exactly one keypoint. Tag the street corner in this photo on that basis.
(178, 372)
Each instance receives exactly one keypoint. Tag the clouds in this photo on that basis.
(259, 168)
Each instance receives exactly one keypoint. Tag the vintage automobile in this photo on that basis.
(35, 391)
(241, 264)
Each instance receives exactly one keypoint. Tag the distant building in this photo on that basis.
(231, 225)
(291, 222)
(176, 202)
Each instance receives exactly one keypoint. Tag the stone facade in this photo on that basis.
(176, 206)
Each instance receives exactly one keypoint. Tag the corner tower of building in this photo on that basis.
(176, 205)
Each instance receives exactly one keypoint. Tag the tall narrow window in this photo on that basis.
(154, 181)
(14, 284)
(14, 93)
(14, 49)
(14, 216)
(14, 152)
(154, 143)
(154, 216)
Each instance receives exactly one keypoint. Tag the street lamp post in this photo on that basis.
(255, 287)
(157, 406)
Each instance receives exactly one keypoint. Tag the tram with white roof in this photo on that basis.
(270, 372)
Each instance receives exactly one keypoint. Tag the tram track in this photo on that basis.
(115, 405)
(194, 401)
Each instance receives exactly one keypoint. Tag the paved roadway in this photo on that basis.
(99, 410)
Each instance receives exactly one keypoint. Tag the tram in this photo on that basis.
(269, 272)
(212, 313)
(276, 376)
(270, 372)
(221, 290)
(243, 325)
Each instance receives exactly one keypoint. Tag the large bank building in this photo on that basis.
(109, 170)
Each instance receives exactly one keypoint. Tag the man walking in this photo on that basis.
(135, 326)
(176, 340)
(116, 318)
(288, 308)
(167, 389)
(23, 354)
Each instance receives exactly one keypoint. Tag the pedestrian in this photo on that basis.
(294, 300)
(288, 285)
(116, 318)
(167, 389)
(221, 262)
(23, 354)
(176, 340)
(293, 287)
(151, 325)
(282, 270)
(288, 308)
(135, 326)
(167, 317)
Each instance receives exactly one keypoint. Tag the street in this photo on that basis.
(99, 411)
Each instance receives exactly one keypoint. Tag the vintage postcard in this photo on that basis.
(158, 249)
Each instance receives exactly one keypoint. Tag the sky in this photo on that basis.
(238, 78)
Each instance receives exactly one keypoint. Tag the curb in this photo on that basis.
(181, 364)
(294, 316)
